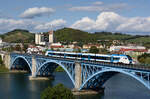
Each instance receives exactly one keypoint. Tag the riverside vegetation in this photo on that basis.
(57, 92)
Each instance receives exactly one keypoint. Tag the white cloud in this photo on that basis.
(10, 24)
(110, 21)
(105, 21)
(7, 25)
(37, 12)
(98, 8)
(54, 24)
(135, 24)
(84, 24)
(97, 3)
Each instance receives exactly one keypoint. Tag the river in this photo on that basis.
(18, 86)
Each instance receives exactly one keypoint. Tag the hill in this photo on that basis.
(17, 36)
(67, 35)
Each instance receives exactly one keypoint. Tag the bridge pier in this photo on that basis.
(77, 75)
(6, 60)
(33, 67)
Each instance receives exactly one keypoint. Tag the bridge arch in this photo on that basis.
(145, 83)
(58, 63)
(18, 57)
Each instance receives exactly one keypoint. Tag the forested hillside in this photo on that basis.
(18, 36)
(70, 35)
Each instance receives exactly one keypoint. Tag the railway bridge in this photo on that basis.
(83, 74)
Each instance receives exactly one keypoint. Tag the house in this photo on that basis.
(88, 46)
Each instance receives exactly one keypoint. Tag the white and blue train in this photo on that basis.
(113, 58)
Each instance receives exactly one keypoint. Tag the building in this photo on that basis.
(129, 48)
(136, 52)
(56, 46)
(39, 39)
(51, 37)
(1, 41)
(88, 46)
(44, 38)
(35, 49)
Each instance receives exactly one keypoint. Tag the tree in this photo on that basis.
(144, 58)
(1, 61)
(18, 48)
(57, 92)
(94, 49)
(25, 47)
(103, 51)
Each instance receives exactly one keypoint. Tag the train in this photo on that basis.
(112, 58)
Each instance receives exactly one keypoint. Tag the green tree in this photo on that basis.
(57, 92)
(94, 49)
(25, 47)
(1, 61)
(18, 48)
(103, 51)
(145, 58)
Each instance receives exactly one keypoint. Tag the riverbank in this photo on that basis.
(18, 71)
(41, 78)
(3, 69)
(87, 92)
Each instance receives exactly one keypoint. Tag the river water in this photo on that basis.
(18, 86)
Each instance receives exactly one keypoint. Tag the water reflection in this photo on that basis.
(18, 86)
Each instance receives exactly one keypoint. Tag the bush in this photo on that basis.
(94, 49)
(57, 92)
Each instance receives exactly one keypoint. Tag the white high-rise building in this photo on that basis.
(51, 37)
(1, 41)
(39, 39)
(44, 39)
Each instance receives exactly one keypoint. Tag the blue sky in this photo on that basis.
(127, 16)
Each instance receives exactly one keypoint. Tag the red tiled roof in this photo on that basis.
(59, 46)
(137, 50)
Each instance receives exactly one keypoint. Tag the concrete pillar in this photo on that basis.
(33, 66)
(77, 75)
(6, 60)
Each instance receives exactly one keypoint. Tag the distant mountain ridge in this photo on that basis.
(70, 35)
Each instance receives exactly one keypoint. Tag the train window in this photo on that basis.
(103, 58)
(60, 54)
(71, 55)
(94, 57)
(52, 53)
(84, 56)
(129, 57)
(116, 58)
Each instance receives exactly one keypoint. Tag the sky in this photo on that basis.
(125, 16)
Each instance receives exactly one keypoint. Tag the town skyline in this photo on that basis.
(91, 16)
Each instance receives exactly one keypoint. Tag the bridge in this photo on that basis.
(83, 74)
